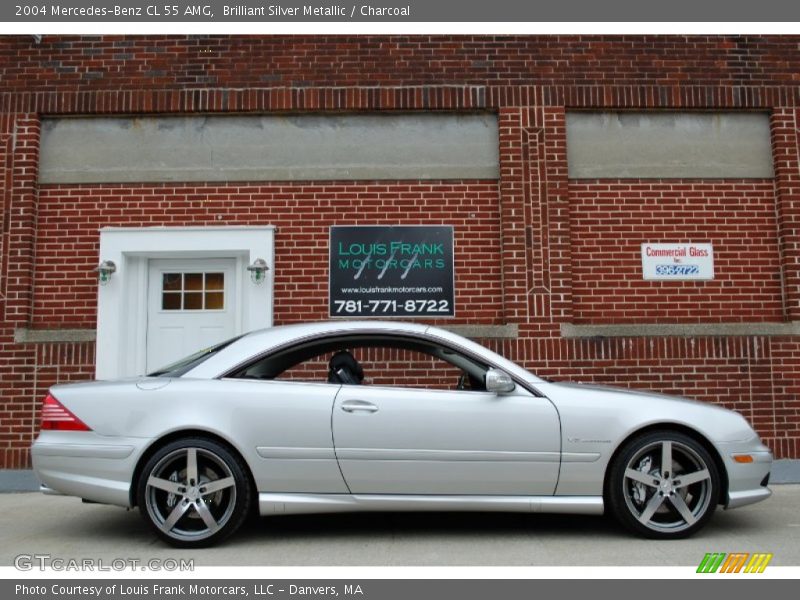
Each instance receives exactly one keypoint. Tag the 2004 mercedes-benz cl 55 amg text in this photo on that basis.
(348, 416)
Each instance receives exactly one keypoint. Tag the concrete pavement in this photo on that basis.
(32, 523)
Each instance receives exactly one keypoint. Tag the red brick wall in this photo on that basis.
(153, 62)
(517, 258)
(19, 142)
(610, 219)
(68, 237)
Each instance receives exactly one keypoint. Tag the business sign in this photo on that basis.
(678, 261)
(399, 271)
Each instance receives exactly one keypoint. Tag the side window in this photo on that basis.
(369, 361)
(383, 366)
(314, 369)
(397, 367)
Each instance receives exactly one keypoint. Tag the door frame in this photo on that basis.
(122, 301)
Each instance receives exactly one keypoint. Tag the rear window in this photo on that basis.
(188, 363)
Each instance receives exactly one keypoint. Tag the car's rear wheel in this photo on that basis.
(194, 492)
(663, 484)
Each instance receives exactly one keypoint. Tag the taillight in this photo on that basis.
(56, 417)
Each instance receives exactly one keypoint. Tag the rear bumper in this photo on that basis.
(86, 465)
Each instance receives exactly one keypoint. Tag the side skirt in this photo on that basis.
(276, 503)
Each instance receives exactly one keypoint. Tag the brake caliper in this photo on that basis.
(640, 489)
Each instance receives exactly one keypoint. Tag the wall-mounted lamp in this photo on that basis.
(105, 269)
(258, 269)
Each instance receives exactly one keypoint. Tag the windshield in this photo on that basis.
(188, 363)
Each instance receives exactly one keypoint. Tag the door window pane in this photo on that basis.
(193, 291)
(172, 281)
(215, 301)
(193, 281)
(170, 301)
(215, 281)
(193, 301)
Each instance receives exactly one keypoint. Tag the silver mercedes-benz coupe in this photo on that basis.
(352, 416)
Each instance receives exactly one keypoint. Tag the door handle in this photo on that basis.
(359, 406)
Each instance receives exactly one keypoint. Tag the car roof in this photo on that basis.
(262, 341)
(300, 330)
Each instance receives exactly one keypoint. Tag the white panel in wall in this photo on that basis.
(270, 148)
(668, 144)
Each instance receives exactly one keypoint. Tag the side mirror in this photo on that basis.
(499, 382)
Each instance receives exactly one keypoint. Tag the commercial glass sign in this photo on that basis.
(391, 271)
(677, 261)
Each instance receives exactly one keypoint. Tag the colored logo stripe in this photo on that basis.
(711, 562)
(758, 563)
(735, 562)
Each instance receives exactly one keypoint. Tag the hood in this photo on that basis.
(634, 394)
(635, 409)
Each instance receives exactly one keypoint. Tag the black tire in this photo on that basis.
(663, 503)
(194, 509)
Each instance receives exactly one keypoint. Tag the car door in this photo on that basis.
(402, 440)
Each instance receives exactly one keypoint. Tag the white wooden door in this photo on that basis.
(191, 305)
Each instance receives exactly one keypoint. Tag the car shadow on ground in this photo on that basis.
(423, 524)
(109, 523)
(119, 524)
(376, 537)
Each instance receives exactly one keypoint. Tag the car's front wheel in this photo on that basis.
(663, 484)
(194, 492)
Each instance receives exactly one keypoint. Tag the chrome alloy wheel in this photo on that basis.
(668, 486)
(190, 494)
(663, 484)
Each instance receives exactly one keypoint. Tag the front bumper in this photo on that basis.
(87, 465)
(747, 482)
